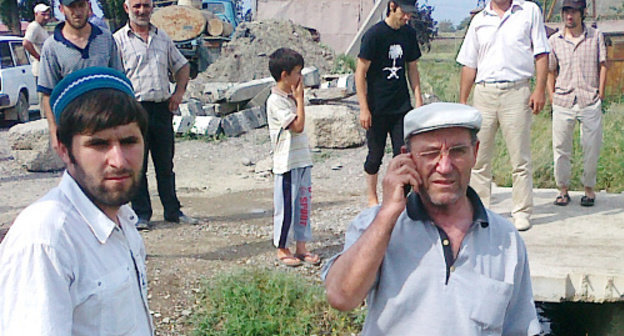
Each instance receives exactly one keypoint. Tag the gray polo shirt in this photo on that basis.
(60, 57)
(421, 290)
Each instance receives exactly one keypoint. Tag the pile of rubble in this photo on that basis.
(246, 57)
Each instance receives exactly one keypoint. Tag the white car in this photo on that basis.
(17, 84)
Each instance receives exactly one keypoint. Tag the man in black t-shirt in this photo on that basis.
(388, 49)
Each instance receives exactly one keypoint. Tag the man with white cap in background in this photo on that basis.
(437, 261)
(34, 38)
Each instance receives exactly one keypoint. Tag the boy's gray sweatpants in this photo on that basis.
(292, 197)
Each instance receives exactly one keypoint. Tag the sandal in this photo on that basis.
(309, 258)
(587, 201)
(562, 200)
(289, 260)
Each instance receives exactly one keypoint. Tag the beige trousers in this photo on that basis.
(564, 119)
(505, 105)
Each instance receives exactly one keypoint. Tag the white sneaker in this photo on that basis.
(522, 224)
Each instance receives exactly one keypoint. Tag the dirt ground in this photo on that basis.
(217, 183)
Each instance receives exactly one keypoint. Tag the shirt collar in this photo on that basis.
(128, 29)
(58, 35)
(280, 93)
(416, 210)
(561, 32)
(515, 5)
(101, 226)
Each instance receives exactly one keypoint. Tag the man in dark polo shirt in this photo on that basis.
(388, 49)
(77, 44)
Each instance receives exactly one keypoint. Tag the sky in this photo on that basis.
(454, 10)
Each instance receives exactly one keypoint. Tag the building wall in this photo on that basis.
(336, 20)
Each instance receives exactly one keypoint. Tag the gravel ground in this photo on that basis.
(217, 182)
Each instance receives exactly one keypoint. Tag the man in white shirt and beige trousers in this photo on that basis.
(505, 44)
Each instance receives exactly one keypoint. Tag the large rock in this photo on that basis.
(30, 144)
(244, 121)
(333, 126)
(311, 77)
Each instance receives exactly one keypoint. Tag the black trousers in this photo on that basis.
(159, 141)
(376, 139)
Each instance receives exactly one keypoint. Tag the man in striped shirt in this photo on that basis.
(76, 44)
(148, 55)
(576, 84)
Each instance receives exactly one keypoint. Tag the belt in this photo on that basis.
(504, 84)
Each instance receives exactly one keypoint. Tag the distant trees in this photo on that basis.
(446, 26)
(9, 14)
(425, 26)
(464, 23)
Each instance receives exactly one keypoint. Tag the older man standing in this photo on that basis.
(437, 262)
(148, 56)
(504, 45)
(76, 45)
(72, 262)
(576, 84)
(33, 41)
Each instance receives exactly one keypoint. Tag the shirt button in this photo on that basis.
(445, 242)
(452, 268)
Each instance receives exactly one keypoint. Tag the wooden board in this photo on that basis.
(179, 22)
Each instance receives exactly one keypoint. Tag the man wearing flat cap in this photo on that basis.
(389, 54)
(436, 262)
(76, 44)
(73, 263)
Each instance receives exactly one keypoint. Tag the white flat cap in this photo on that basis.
(440, 115)
(41, 8)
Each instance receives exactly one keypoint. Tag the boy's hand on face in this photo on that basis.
(297, 91)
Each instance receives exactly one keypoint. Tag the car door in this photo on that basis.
(10, 73)
(26, 78)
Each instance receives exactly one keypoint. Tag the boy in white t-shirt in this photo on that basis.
(292, 161)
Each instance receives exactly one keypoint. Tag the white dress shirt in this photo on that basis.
(503, 49)
(67, 269)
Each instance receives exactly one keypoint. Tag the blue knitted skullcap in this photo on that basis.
(84, 80)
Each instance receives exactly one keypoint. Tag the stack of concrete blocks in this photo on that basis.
(230, 108)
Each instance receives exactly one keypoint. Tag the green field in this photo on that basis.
(439, 74)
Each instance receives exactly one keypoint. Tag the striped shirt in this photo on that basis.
(147, 63)
(579, 67)
(290, 149)
(60, 57)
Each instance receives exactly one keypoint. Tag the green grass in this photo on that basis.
(266, 302)
(440, 75)
(610, 164)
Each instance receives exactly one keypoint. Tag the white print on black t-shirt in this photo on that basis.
(395, 51)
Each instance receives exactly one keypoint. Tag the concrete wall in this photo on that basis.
(336, 20)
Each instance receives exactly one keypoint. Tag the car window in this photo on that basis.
(215, 8)
(6, 60)
(20, 53)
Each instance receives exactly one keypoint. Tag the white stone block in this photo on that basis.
(182, 124)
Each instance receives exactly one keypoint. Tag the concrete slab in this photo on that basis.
(575, 252)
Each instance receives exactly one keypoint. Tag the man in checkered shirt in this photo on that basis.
(148, 55)
(576, 84)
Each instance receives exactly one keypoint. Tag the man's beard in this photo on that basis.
(100, 195)
(81, 24)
